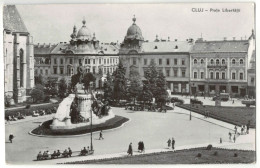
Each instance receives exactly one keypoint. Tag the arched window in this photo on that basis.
(21, 67)
(233, 61)
(217, 61)
(202, 61)
(241, 61)
(223, 62)
(211, 61)
(195, 61)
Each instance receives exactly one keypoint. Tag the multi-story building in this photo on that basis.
(219, 66)
(18, 56)
(62, 60)
(251, 82)
(171, 57)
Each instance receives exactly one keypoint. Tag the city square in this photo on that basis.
(73, 97)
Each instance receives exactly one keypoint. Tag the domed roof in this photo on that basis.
(134, 32)
(84, 33)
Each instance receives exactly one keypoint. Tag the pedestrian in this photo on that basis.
(235, 130)
(11, 137)
(242, 129)
(234, 138)
(173, 143)
(130, 150)
(229, 136)
(245, 129)
(233, 101)
(169, 143)
(101, 135)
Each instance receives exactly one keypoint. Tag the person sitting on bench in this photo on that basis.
(70, 152)
(84, 151)
(58, 153)
(65, 153)
(39, 156)
(54, 155)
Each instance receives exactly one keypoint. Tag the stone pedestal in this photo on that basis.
(84, 105)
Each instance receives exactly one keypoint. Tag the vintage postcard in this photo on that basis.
(129, 83)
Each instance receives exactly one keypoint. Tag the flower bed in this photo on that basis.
(44, 129)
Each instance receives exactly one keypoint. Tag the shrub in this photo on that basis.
(199, 155)
(215, 153)
(37, 94)
(235, 155)
(209, 147)
(27, 106)
(47, 99)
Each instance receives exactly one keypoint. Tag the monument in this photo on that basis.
(76, 109)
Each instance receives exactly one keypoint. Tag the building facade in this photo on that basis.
(171, 57)
(62, 60)
(18, 56)
(219, 67)
(251, 82)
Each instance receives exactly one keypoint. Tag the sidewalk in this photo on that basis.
(33, 105)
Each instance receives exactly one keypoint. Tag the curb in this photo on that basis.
(71, 136)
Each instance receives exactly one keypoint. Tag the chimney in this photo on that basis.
(169, 39)
(39, 44)
(234, 38)
(65, 42)
(225, 39)
(61, 42)
(176, 40)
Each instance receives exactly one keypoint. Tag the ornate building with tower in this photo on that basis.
(171, 57)
(18, 56)
(61, 60)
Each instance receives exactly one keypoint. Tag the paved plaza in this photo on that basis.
(153, 128)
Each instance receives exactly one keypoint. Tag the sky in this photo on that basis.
(54, 23)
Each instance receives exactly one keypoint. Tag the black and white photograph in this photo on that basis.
(129, 84)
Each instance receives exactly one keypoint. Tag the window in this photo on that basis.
(195, 75)
(252, 80)
(160, 61)
(217, 61)
(183, 73)
(41, 71)
(134, 61)
(233, 61)
(152, 60)
(71, 61)
(55, 61)
(217, 75)
(202, 61)
(104, 61)
(107, 61)
(183, 62)
(46, 71)
(86, 61)
(55, 70)
(80, 61)
(223, 62)
(175, 73)
(168, 61)
(211, 61)
(233, 75)
(167, 73)
(241, 76)
(223, 75)
(201, 75)
(61, 61)
(36, 72)
(195, 61)
(211, 75)
(145, 61)
(241, 61)
(61, 70)
(94, 61)
(99, 60)
(94, 70)
(234, 89)
(175, 61)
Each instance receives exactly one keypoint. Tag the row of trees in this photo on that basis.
(119, 87)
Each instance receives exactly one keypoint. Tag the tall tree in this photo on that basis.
(151, 74)
(63, 86)
(135, 86)
(87, 79)
(40, 80)
(108, 87)
(119, 82)
(161, 89)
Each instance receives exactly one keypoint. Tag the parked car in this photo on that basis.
(196, 101)
(177, 100)
(222, 97)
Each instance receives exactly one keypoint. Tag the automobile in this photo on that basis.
(196, 101)
(177, 100)
(222, 97)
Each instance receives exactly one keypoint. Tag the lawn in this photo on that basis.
(234, 115)
(189, 156)
(44, 129)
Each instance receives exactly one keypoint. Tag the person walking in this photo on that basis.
(11, 137)
(235, 130)
(234, 138)
(101, 135)
(169, 143)
(173, 143)
(230, 135)
(130, 150)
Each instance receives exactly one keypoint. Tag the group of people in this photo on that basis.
(171, 143)
(84, 151)
(244, 129)
(55, 154)
(230, 137)
(141, 148)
